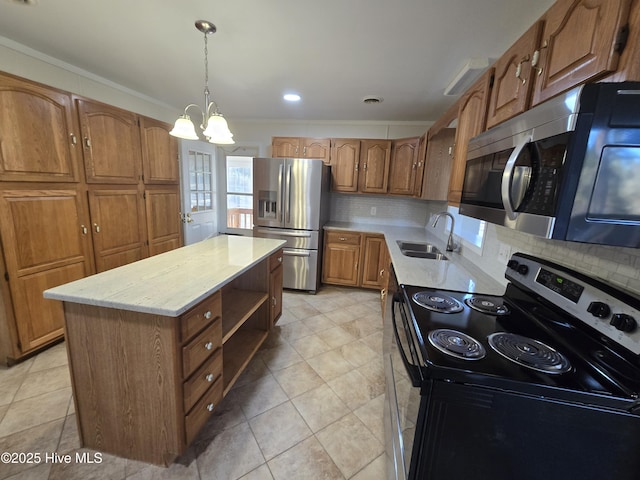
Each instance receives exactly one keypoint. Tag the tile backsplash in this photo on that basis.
(619, 266)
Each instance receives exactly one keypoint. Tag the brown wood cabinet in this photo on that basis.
(355, 259)
(110, 142)
(164, 225)
(276, 276)
(117, 224)
(159, 153)
(45, 244)
(403, 166)
(59, 225)
(301, 147)
(471, 121)
(437, 165)
(38, 133)
(514, 78)
(345, 164)
(375, 156)
(581, 41)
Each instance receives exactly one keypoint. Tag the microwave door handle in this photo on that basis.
(507, 176)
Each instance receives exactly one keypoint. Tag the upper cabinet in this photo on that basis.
(38, 133)
(471, 121)
(110, 142)
(345, 164)
(301, 147)
(375, 156)
(582, 40)
(437, 163)
(403, 166)
(513, 80)
(159, 152)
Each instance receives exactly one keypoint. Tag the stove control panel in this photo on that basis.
(579, 297)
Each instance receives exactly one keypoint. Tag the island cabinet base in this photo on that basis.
(144, 385)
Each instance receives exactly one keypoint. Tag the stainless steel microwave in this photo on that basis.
(567, 169)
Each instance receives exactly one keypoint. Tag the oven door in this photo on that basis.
(403, 379)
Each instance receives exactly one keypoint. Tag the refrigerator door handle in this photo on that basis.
(284, 233)
(296, 253)
(288, 188)
(280, 192)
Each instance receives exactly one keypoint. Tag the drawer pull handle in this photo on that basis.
(210, 407)
(209, 377)
(342, 239)
(208, 345)
(208, 314)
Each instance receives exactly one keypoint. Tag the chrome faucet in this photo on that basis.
(451, 245)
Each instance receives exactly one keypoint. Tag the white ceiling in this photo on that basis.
(332, 52)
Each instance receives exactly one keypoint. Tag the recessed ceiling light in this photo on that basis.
(291, 97)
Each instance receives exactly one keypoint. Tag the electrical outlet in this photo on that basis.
(504, 253)
(373, 211)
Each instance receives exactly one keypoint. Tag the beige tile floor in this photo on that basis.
(309, 405)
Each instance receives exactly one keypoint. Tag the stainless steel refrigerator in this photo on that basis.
(290, 202)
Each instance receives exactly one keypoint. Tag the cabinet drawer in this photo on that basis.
(349, 238)
(275, 260)
(199, 415)
(201, 347)
(201, 315)
(200, 381)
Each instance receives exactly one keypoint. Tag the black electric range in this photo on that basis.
(541, 382)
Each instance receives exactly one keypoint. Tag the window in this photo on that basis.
(470, 230)
(239, 192)
(200, 181)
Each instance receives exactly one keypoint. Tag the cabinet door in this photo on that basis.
(164, 227)
(37, 133)
(275, 290)
(579, 43)
(373, 263)
(513, 80)
(159, 152)
(374, 165)
(316, 148)
(345, 158)
(438, 163)
(117, 221)
(421, 158)
(471, 122)
(111, 143)
(285, 147)
(341, 258)
(403, 166)
(44, 246)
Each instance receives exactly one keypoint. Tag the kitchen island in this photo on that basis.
(155, 345)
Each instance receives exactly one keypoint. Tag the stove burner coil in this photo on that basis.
(456, 344)
(529, 353)
(437, 303)
(487, 305)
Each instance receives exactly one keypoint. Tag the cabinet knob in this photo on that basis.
(208, 315)
(209, 377)
(96, 227)
(208, 345)
(87, 142)
(274, 301)
(304, 152)
(74, 140)
(210, 407)
(280, 259)
(83, 229)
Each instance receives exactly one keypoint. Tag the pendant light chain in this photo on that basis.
(206, 71)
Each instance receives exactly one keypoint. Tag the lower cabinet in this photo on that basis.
(276, 277)
(144, 385)
(356, 259)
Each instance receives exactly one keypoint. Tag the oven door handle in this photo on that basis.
(415, 375)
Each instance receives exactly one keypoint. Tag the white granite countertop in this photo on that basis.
(456, 274)
(170, 283)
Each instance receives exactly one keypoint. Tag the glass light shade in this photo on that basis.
(216, 126)
(183, 128)
(223, 140)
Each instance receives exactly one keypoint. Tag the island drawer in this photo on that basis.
(275, 260)
(201, 347)
(200, 381)
(201, 315)
(349, 238)
(200, 413)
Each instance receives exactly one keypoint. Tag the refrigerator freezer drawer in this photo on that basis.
(304, 239)
(300, 269)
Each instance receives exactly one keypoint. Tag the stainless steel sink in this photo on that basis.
(420, 250)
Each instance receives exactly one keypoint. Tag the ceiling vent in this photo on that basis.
(465, 77)
(372, 100)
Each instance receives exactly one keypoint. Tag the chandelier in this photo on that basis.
(214, 126)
